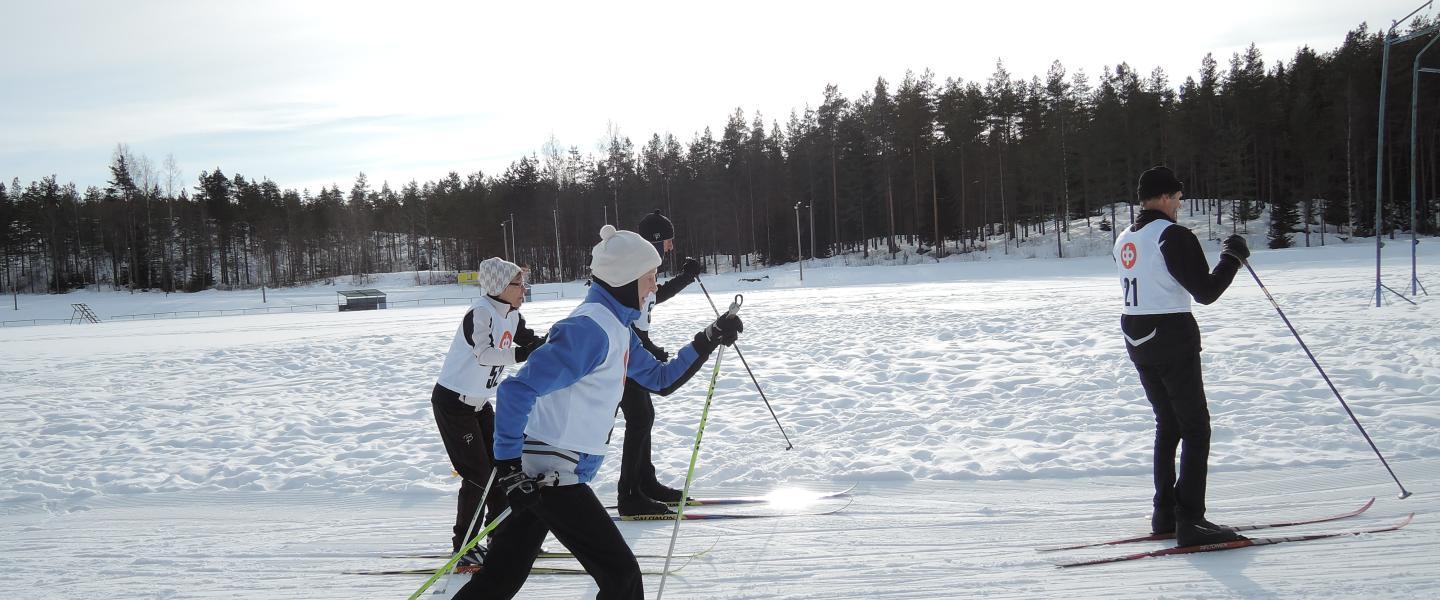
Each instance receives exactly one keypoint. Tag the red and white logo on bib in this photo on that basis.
(1128, 255)
(505, 340)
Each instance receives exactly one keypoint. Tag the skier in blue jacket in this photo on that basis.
(553, 418)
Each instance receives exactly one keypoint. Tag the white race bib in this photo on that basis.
(1145, 279)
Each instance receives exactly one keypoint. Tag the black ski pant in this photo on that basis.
(637, 470)
(469, 438)
(1182, 419)
(580, 522)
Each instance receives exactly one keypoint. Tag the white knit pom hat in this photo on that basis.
(494, 274)
(622, 256)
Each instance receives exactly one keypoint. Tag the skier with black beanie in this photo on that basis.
(1162, 267)
(640, 491)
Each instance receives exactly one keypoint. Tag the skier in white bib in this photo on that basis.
(553, 419)
(1161, 267)
(491, 336)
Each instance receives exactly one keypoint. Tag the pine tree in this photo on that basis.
(1008, 154)
(1283, 217)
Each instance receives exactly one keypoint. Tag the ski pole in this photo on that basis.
(1403, 492)
(694, 454)
(463, 549)
(479, 508)
(788, 445)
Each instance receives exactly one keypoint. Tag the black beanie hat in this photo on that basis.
(1157, 181)
(655, 228)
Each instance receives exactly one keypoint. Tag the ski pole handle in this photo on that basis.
(735, 305)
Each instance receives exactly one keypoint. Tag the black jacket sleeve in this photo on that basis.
(1186, 261)
(656, 351)
(525, 336)
(670, 288)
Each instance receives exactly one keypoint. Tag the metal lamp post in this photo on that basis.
(507, 242)
(799, 243)
(811, 206)
(559, 263)
(263, 299)
(504, 241)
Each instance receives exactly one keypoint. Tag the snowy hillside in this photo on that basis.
(983, 404)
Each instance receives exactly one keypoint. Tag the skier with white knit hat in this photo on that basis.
(554, 416)
(491, 336)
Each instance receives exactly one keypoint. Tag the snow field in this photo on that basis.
(984, 407)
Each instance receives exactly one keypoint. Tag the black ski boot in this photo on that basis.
(663, 493)
(475, 557)
(1202, 533)
(638, 504)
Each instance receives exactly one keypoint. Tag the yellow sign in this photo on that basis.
(469, 278)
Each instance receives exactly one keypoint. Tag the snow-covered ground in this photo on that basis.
(984, 407)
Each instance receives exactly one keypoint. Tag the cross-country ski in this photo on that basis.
(1155, 537)
(785, 496)
(540, 556)
(560, 554)
(689, 516)
(1235, 544)
(536, 570)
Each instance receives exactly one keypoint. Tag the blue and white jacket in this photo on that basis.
(563, 401)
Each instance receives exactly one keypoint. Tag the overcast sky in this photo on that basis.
(313, 93)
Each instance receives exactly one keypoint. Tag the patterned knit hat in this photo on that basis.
(494, 274)
(622, 256)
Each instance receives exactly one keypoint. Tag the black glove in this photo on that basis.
(522, 490)
(660, 354)
(1235, 246)
(692, 268)
(723, 331)
(523, 348)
